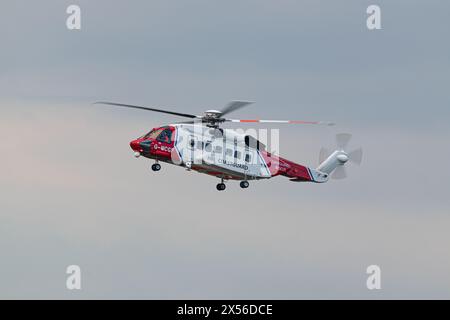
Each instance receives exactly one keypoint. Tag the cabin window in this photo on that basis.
(208, 147)
(200, 145)
(192, 143)
(237, 154)
(248, 157)
(254, 143)
(218, 149)
(229, 152)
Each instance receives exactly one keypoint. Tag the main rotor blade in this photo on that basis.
(326, 123)
(148, 109)
(233, 106)
(199, 121)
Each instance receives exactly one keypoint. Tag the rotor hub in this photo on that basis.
(212, 114)
(342, 157)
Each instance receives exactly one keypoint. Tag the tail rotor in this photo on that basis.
(342, 140)
(333, 162)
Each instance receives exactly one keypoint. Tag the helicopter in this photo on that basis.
(201, 144)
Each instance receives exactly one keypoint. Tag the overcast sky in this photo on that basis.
(72, 193)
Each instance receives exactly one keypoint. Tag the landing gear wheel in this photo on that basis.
(156, 167)
(244, 184)
(221, 186)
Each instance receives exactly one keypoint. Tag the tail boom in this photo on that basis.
(294, 171)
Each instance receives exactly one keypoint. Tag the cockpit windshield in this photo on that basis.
(165, 136)
(152, 134)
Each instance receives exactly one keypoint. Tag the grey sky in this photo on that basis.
(71, 192)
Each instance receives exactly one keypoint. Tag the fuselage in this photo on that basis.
(223, 153)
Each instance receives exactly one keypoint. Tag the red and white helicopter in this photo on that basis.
(201, 145)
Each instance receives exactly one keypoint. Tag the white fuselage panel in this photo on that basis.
(207, 149)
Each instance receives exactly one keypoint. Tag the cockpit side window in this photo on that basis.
(165, 136)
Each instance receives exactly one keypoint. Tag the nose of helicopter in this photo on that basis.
(144, 146)
(140, 146)
(135, 145)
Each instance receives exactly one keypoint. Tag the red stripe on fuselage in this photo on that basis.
(281, 166)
